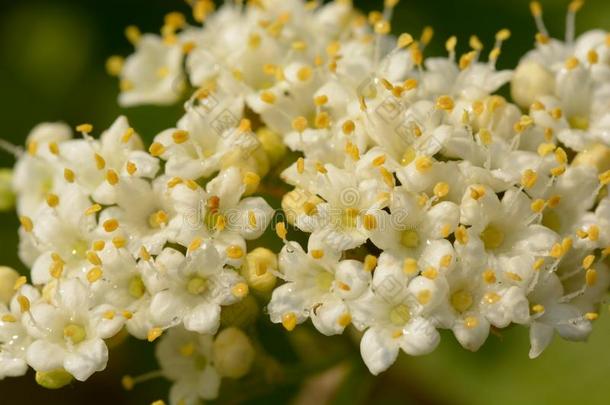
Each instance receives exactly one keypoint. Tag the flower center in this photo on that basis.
(400, 315)
(461, 300)
(579, 122)
(349, 218)
(410, 238)
(196, 285)
(136, 287)
(158, 219)
(492, 237)
(79, 249)
(324, 280)
(75, 333)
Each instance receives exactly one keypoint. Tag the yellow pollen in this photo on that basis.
(119, 242)
(114, 65)
(491, 297)
(180, 136)
(423, 297)
(445, 261)
(538, 308)
(592, 57)
(441, 189)
(477, 192)
(430, 272)
(322, 120)
(536, 8)
(404, 40)
(461, 235)
(268, 97)
(254, 41)
(53, 148)
(572, 63)
(513, 276)
(538, 205)
(153, 334)
(94, 209)
(8, 318)
(423, 163)
(485, 137)
(131, 168)
(445, 103)
(19, 282)
(24, 303)
(529, 178)
(591, 316)
(558, 171)
(370, 262)
(69, 175)
(112, 177)
(503, 35)
(144, 254)
(289, 321)
(591, 277)
(84, 128)
(280, 230)
(52, 200)
(304, 73)
(489, 276)
(593, 232)
(409, 266)
(195, 244)
(379, 160)
(94, 274)
(235, 252)
(344, 320)
(240, 290)
(471, 322)
(588, 261)
(538, 264)
(111, 225)
(156, 149)
(93, 258)
(545, 148)
(26, 223)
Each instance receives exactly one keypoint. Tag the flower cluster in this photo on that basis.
(430, 201)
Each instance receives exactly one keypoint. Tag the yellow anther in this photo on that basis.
(180, 136)
(471, 322)
(144, 254)
(195, 244)
(426, 35)
(112, 177)
(94, 274)
(604, 178)
(133, 34)
(556, 113)
(591, 316)
(234, 252)
(26, 223)
(240, 290)
(320, 100)
(317, 253)
(268, 97)
(348, 127)
(430, 273)
(54, 148)
(100, 162)
(451, 43)
(383, 27)
(304, 73)
(571, 63)
(538, 308)
(445, 103)
(114, 65)
(156, 149)
(254, 41)
(289, 321)
(489, 276)
(320, 168)
(477, 192)
(466, 59)
(387, 176)
(69, 175)
(424, 296)
(280, 230)
(84, 128)
(545, 148)
(409, 266)
(538, 205)
(538, 264)
(111, 225)
(370, 262)
(542, 38)
(536, 8)
(529, 178)
(93, 258)
(554, 201)
(52, 200)
(503, 35)
(119, 242)
(575, 6)
(56, 269)
(485, 136)
(591, 277)
(441, 189)
(423, 164)
(593, 232)
(21, 280)
(153, 334)
(588, 261)
(352, 151)
(513, 276)
(131, 168)
(404, 40)
(461, 235)
(369, 222)
(322, 120)
(94, 209)
(558, 171)
(344, 319)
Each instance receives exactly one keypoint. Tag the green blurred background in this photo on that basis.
(52, 56)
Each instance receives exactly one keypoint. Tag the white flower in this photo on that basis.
(153, 74)
(68, 333)
(219, 213)
(186, 358)
(191, 289)
(14, 339)
(392, 318)
(318, 286)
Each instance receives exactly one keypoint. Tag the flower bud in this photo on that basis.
(233, 353)
(258, 269)
(7, 197)
(273, 145)
(8, 277)
(53, 379)
(531, 81)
